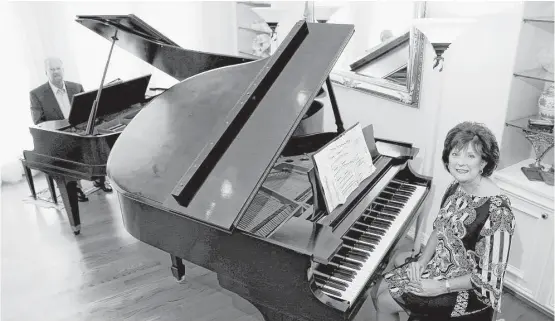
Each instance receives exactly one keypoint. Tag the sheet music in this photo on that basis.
(343, 165)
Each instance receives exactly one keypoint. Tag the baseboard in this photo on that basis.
(526, 300)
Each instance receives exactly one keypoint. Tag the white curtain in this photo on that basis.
(15, 114)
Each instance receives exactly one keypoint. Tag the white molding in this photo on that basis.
(548, 311)
(517, 273)
(518, 288)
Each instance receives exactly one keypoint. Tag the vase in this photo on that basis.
(546, 103)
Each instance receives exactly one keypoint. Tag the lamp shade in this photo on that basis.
(441, 33)
(271, 14)
(323, 12)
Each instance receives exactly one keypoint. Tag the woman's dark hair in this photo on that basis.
(481, 138)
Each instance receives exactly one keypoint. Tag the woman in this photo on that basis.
(459, 275)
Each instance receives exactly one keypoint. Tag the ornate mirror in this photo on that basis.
(385, 54)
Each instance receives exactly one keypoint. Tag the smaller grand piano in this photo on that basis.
(211, 172)
(78, 148)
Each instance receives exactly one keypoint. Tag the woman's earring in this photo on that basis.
(481, 171)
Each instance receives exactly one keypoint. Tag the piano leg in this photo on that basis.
(178, 268)
(68, 191)
(29, 178)
(52, 189)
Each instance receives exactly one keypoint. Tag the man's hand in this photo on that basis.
(427, 287)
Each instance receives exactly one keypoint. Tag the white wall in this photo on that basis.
(474, 85)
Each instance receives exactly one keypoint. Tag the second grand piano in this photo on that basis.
(210, 172)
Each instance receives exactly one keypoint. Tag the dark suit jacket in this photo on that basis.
(44, 105)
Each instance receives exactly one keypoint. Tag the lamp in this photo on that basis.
(319, 12)
(284, 14)
(441, 32)
(272, 16)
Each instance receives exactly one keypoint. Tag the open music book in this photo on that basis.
(342, 165)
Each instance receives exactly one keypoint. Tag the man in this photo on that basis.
(51, 101)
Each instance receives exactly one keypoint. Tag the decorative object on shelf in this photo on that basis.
(261, 45)
(546, 102)
(538, 132)
(545, 58)
(441, 33)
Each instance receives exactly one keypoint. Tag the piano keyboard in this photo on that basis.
(367, 241)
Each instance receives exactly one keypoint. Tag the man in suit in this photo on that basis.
(52, 101)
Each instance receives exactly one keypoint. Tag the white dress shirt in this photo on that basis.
(62, 98)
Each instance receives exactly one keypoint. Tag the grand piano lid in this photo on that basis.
(140, 39)
(113, 98)
(203, 148)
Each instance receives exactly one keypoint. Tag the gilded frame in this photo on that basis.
(408, 95)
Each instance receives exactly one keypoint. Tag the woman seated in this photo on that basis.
(459, 275)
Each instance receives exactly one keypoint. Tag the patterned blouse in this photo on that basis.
(473, 237)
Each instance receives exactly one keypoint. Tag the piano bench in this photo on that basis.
(31, 183)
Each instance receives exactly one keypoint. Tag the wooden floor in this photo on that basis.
(47, 273)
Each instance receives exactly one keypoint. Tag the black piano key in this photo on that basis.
(369, 239)
(361, 246)
(350, 260)
(373, 215)
(395, 203)
(384, 225)
(394, 197)
(333, 271)
(385, 209)
(361, 238)
(331, 283)
(373, 228)
(390, 203)
(355, 251)
(328, 290)
(346, 264)
(331, 278)
(343, 270)
(370, 230)
(399, 192)
(358, 256)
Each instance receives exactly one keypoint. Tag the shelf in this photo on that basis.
(546, 19)
(255, 30)
(256, 4)
(536, 74)
(522, 123)
(249, 55)
(546, 23)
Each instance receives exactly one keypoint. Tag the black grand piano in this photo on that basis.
(77, 148)
(210, 172)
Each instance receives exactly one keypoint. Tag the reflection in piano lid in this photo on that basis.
(211, 172)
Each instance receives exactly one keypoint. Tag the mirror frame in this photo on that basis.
(408, 95)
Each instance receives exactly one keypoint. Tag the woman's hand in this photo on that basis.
(414, 271)
(427, 287)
